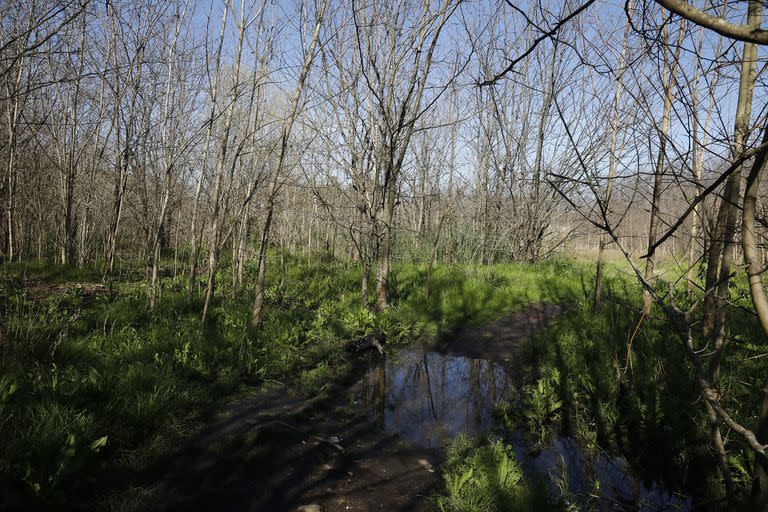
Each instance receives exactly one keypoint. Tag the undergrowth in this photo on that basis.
(601, 378)
(95, 387)
(621, 385)
(484, 476)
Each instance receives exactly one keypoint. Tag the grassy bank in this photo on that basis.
(618, 384)
(615, 381)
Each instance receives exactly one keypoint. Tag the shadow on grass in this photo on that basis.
(268, 452)
(145, 380)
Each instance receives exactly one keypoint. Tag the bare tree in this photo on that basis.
(669, 82)
(277, 173)
(241, 25)
(396, 69)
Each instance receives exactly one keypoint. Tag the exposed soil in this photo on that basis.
(500, 341)
(37, 290)
(274, 450)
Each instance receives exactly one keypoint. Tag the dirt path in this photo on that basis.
(273, 451)
(277, 451)
(500, 341)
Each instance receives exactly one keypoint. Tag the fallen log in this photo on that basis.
(372, 341)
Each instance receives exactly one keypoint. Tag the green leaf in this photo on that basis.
(99, 443)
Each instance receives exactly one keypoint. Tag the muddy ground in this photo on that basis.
(274, 450)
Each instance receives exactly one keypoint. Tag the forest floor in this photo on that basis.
(274, 449)
(107, 405)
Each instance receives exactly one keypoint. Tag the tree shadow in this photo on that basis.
(275, 451)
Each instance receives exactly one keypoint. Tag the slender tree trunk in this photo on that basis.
(176, 247)
(257, 314)
(697, 144)
(117, 211)
(364, 280)
(396, 126)
(730, 201)
(124, 154)
(696, 165)
(535, 218)
(385, 244)
(8, 185)
(759, 497)
(722, 243)
(258, 305)
(11, 192)
(669, 81)
(239, 252)
(613, 161)
(13, 116)
(215, 236)
(195, 232)
(722, 236)
(72, 163)
(168, 166)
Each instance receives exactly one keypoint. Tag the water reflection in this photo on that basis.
(428, 398)
(605, 482)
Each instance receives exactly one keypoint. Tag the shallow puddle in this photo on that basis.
(598, 480)
(428, 398)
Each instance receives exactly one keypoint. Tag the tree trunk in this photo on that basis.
(759, 497)
(195, 232)
(697, 145)
(365, 279)
(722, 237)
(669, 80)
(215, 236)
(258, 305)
(257, 315)
(238, 247)
(613, 161)
(70, 231)
(168, 167)
(722, 249)
(535, 219)
(385, 245)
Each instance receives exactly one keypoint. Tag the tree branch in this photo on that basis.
(747, 33)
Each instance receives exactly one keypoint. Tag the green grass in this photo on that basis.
(483, 476)
(95, 387)
(582, 379)
(628, 399)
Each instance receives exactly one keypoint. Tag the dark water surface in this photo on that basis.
(598, 478)
(428, 398)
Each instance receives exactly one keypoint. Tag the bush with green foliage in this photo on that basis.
(483, 476)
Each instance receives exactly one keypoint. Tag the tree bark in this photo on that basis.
(123, 159)
(668, 80)
(257, 313)
(196, 232)
(759, 496)
(613, 161)
(169, 156)
(70, 232)
(218, 175)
